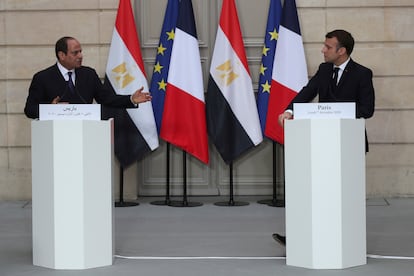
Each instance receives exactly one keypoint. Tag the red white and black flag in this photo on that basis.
(135, 129)
(232, 117)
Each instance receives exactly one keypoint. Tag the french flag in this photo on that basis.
(135, 130)
(232, 117)
(268, 57)
(162, 61)
(184, 118)
(290, 72)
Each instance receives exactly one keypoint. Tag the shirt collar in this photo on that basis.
(343, 65)
(65, 71)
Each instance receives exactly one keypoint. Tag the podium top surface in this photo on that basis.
(339, 110)
(91, 112)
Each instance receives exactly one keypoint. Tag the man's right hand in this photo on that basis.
(284, 116)
(56, 100)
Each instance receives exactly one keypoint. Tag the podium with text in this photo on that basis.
(72, 193)
(325, 193)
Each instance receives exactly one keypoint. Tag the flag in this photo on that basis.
(162, 62)
(268, 56)
(232, 118)
(184, 119)
(289, 70)
(134, 129)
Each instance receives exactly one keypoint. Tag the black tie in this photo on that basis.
(335, 76)
(70, 83)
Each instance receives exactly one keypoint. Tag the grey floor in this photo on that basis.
(212, 240)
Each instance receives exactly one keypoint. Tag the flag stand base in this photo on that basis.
(126, 204)
(167, 200)
(274, 202)
(184, 204)
(121, 202)
(160, 202)
(231, 202)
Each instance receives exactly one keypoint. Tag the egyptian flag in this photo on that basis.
(134, 129)
(162, 61)
(184, 119)
(268, 56)
(232, 117)
(290, 73)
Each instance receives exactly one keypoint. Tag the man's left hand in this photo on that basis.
(141, 97)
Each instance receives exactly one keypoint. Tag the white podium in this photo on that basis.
(325, 193)
(72, 194)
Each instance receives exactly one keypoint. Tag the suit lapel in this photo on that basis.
(59, 81)
(58, 74)
(80, 82)
(346, 72)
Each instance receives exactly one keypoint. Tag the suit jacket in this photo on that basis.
(355, 85)
(49, 83)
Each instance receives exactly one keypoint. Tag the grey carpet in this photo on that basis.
(156, 236)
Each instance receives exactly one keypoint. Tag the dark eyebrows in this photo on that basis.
(327, 46)
(76, 52)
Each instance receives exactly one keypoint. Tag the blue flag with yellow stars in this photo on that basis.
(162, 61)
(266, 67)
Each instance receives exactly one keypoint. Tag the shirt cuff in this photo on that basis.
(130, 98)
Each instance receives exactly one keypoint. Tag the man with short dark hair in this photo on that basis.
(338, 79)
(354, 81)
(68, 81)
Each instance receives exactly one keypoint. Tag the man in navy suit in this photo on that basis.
(353, 83)
(51, 85)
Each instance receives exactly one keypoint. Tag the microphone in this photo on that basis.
(77, 93)
(63, 94)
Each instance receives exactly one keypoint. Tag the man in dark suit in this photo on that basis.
(52, 85)
(351, 82)
(354, 81)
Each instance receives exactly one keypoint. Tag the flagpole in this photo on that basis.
(184, 202)
(231, 201)
(167, 200)
(121, 202)
(160, 75)
(274, 202)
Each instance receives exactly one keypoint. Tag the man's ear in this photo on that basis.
(342, 51)
(61, 55)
